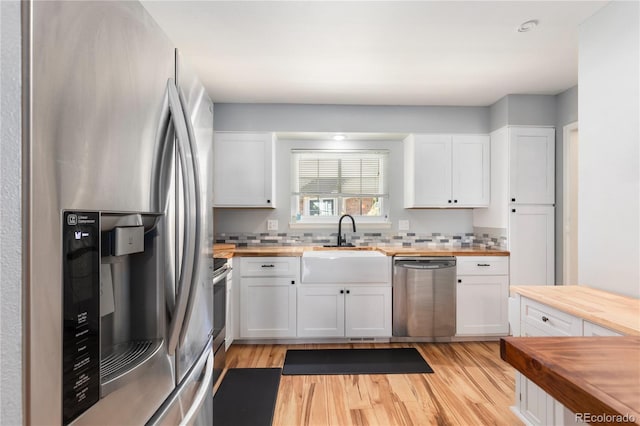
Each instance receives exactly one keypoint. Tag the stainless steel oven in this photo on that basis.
(221, 270)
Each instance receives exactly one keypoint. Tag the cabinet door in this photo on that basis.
(531, 243)
(535, 404)
(470, 170)
(591, 329)
(320, 311)
(532, 166)
(268, 307)
(368, 311)
(432, 170)
(243, 172)
(482, 305)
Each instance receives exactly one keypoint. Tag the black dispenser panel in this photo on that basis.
(81, 313)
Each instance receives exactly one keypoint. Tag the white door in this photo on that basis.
(471, 170)
(531, 243)
(432, 180)
(482, 305)
(532, 166)
(268, 307)
(321, 311)
(368, 311)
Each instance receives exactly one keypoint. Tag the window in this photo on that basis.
(327, 184)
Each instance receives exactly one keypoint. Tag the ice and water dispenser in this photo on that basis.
(114, 304)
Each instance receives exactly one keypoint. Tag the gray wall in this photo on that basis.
(350, 118)
(523, 110)
(609, 153)
(567, 113)
(10, 216)
(340, 118)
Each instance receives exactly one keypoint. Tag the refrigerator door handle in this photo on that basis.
(202, 393)
(174, 405)
(161, 184)
(199, 233)
(185, 282)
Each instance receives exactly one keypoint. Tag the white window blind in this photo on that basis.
(332, 183)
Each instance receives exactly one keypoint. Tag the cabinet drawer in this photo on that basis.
(591, 329)
(551, 321)
(270, 267)
(482, 265)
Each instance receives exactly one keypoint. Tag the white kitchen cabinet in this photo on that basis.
(231, 309)
(367, 311)
(532, 244)
(268, 296)
(320, 311)
(244, 170)
(591, 329)
(482, 295)
(471, 172)
(446, 170)
(532, 168)
(535, 319)
(344, 311)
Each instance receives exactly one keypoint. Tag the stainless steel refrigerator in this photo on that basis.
(118, 290)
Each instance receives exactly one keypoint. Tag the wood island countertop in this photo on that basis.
(616, 312)
(595, 375)
(279, 251)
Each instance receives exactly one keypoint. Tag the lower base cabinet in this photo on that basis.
(482, 296)
(268, 307)
(481, 307)
(344, 311)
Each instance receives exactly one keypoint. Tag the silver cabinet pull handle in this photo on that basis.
(484, 264)
(269, 266)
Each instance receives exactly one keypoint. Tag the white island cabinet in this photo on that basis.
(446, 171)
(534, 318)
(268, 296)
(244, 170)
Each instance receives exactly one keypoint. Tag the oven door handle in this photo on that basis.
(221, 276)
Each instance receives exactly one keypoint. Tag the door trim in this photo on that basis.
(566, 212)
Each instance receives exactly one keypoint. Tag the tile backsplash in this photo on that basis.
(397, 239)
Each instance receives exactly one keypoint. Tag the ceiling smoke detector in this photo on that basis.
(528, 26)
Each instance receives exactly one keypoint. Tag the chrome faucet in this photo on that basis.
(342, 241)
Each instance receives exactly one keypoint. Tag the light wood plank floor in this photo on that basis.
(471, 386)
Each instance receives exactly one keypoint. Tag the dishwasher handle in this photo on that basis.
(425, 264)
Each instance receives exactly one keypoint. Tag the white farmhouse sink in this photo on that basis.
(345, 267)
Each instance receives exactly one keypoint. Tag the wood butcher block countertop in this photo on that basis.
(223, 251)
(276, 251)
(613, 311)
(595, 375)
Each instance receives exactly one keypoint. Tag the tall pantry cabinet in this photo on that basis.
(522, 201)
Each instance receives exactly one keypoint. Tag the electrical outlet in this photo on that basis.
(403, 225)
(272, 225)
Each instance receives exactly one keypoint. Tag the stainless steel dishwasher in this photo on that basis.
(424, 298)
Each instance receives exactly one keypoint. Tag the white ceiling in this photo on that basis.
(376, 52)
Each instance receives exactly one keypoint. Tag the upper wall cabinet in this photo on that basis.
(532, 168)
(446, 171)
(244, 172)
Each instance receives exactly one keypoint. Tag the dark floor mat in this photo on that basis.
(246, 397)
(354, 361)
